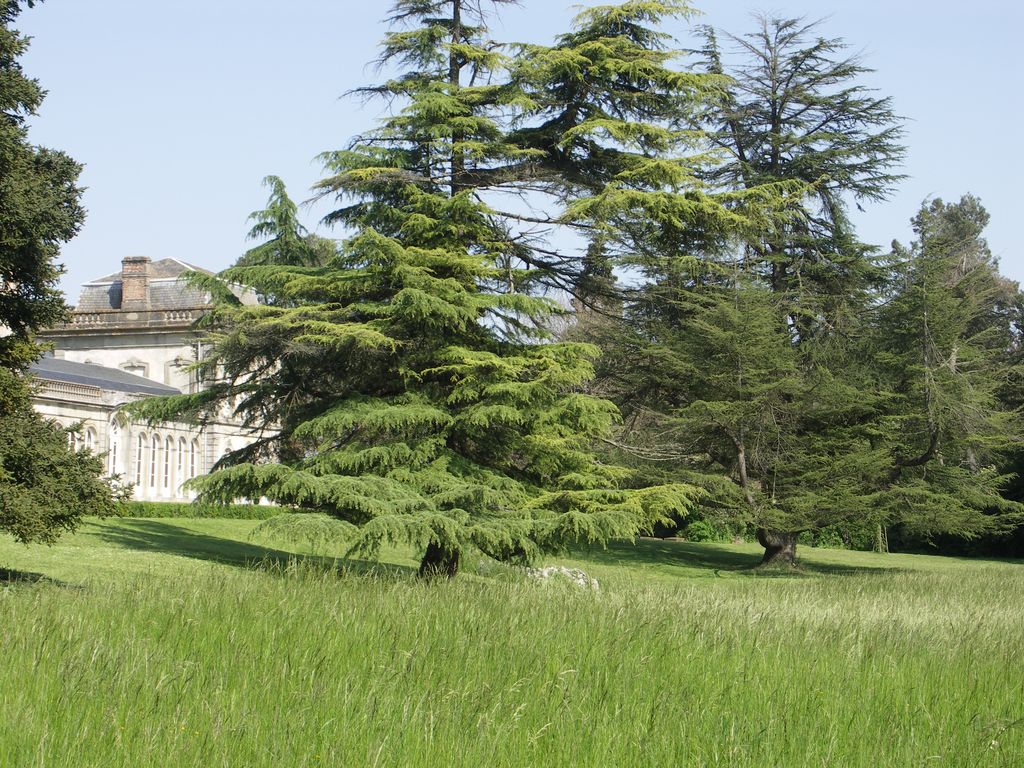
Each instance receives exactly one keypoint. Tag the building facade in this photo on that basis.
(132, 335)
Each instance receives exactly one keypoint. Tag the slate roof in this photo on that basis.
(158, 270)
(56, 369)
(165, 290)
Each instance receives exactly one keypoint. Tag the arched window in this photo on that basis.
(72, 440)
(181, 460)
(90, 439)
(140, 447)
(193, 458)
(154, 457)
(168, 449)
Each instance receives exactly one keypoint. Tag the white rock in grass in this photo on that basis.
(575, 575)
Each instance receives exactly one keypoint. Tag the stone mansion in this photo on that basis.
(131, 336)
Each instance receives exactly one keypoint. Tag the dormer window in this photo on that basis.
(176, 372)
(136, 367)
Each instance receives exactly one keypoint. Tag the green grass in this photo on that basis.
(183, 643)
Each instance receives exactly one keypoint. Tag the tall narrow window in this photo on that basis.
(168, 448)
(181, 460)
(192, 458)
(140, 446)
(115, 446)
(154, 457)
(90, 439)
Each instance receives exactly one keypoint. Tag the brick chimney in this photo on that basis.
(135, 283)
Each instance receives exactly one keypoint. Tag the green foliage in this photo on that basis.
(794, 109)
(836, 392)
(168, 509)
(706, 530)
(716, 384)
(609, 111)
(446, 133)
(857, 537)
(603, 99)
(415, 389)
(407, 409)
(901, 423)
(45, 488)
(39, 206)
(752, 283)
(313, 530)
(287, 241)
(942, 347)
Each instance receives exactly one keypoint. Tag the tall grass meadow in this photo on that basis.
(299, 665)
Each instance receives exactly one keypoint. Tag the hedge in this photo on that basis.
(185, 509)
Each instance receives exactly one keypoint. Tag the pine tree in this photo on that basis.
(744, 325)
(605, 110)
(716, 389)
(905, 423)
(795, 109)
(402, 386)
(942, 347)
(287, 241)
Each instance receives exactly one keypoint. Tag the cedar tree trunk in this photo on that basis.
(779, 546)
(439, 562)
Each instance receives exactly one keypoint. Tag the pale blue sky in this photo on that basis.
(179, 108)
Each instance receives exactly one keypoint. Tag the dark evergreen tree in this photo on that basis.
(792, 120)
(713, 386)
(907, 422)
(722, 356)
(45, 488)
(753, 358)
(942, 345)
(39, 206)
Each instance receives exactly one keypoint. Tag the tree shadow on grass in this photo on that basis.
(8, 576)
(710, 557)
(167, 538)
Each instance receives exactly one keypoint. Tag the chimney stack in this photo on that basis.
(135, 283)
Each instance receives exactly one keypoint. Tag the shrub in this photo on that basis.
(705, 530)
(186, 509)
(839, 537)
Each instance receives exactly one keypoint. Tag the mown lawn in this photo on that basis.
(184, 643)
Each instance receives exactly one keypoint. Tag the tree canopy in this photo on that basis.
(40, 206)
(770, 366)
(749, 359)
(943, 339)
(45, 487)
(408, 386)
